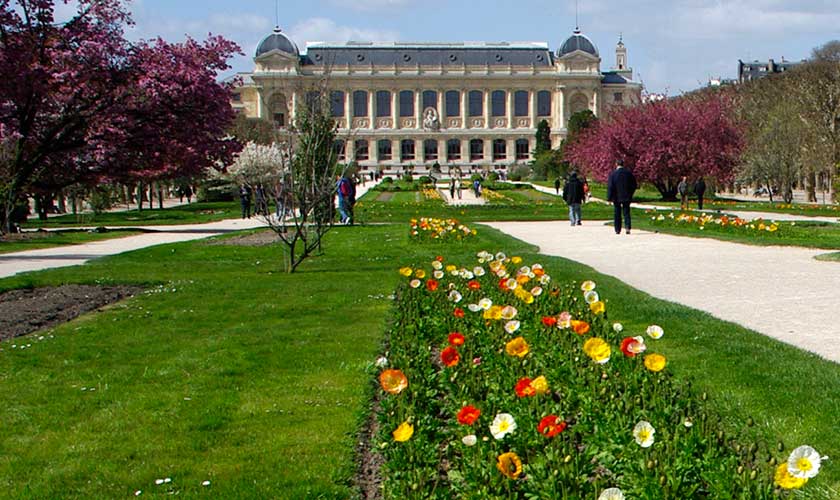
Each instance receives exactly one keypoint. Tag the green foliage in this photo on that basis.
(493, 176)
(543, 138)
(256, 130)
(100, 198)
(519, 172)
(548, 165)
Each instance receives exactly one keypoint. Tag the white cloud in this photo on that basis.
(327, 30)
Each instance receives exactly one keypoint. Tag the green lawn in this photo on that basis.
(194, 213)
(33, 241)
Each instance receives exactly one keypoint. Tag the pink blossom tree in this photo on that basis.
(693, 136)
(81, 104)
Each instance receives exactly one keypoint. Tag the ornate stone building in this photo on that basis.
(451, 103)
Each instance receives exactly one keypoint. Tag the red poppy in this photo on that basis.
(625, 347)
(551, 426)
(524, 388)
(580, 327)
(450, 357)
(458, 312)
(549, 321)
(439, 258)
(431, 285)
(474, 285)
(503, 284)
(456, 339)
(468, 415)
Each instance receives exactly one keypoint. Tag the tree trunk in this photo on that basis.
(160, 196)
(41, 206)
(62, 207)
(811, 186)
(140, 192)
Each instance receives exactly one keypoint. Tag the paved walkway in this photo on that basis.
(467, 196)
(781, 292)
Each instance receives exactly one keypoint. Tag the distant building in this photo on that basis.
(452, 103)
(722, 82)
(748, 71)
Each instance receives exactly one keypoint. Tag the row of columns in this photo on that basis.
(419, 150)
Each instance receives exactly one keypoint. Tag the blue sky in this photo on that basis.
(673, 46)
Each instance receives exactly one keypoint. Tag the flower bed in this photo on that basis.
(707, 221)
(500, 382)
(427, 229)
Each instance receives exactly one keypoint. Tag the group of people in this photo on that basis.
(621, 186)
(699, 191)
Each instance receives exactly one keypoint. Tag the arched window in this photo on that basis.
(499, 149)
(498, 106)
(520, 103)
(407, 103)
(453, 149)
(453, 103)
(337, 103)
(361, 150)
(476, 149)
(543, 103)
(278, 110)
(523, 149)
(578, 103)
(407, 150)
(430, 150)
(339, 148)
(383, 103)
(384, 149)
(476, 103)
(360, 104)
(430, 99)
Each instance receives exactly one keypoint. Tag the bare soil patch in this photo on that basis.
(385, 196)
(29, 310)
(261, 238)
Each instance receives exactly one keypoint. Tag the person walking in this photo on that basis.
(621, 186)
(245, 201)
(682, 189)
(557, 186)
(573, 194)
(477, 188)
(346, 199)
(700, 190)
(452, 189)
(458, 186)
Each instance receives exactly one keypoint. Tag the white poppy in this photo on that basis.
(502, 425)
(511, 326)
(469, 440)
(655, 332)
(611, 494)
(643, 433)
(804, 462)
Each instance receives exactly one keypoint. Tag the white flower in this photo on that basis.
(158, 481)
(618, 327)
(591, 297)
(501, 256)
(643, 432)
(469, 440)
(501, 273)
(474, 307)
(478, 271)
(536, 291)
(511, 284)
(415, 283)
(638, 346)
(206, 483)
(438, 275)
(611, 494)
(455, 296)
(688, 423)
(804, 462)
(587, 286)
(655, 332)
(545, 279)
(485, 303)
(509, 312)
(502, 425)
(138, 493)
(381, 362)
(511, 326)
(467, 274)
(438, 265)
(525, 270)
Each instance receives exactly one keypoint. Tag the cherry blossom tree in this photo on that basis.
(662, 141)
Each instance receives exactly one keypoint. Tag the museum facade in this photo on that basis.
(447, 103)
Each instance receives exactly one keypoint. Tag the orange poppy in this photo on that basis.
(549, 321)
(580, 327)
(524, 388)
(431, 285)
(393, 381)
(468, 415)
(551, 426)
(456, 339)
(450, 357)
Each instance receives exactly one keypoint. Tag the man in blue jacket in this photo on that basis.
(620, 188)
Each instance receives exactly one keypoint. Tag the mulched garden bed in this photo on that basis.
(258, 239)
(29, 310)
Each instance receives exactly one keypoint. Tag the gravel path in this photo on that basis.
(781, 292)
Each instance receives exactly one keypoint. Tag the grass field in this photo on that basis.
(194, 213)
(232, 372)
(34, 241)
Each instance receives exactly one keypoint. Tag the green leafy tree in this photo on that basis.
(256, 130)
(543, 138)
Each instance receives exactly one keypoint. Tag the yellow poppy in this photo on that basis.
(540, 385)
(597, 307)
(517, 347)
(509, 465)
(655, 362)
(784, 479)
(403, 432)
(597, 349)
(406, 271)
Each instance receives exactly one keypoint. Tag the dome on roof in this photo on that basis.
(277, 41)
(578, 41)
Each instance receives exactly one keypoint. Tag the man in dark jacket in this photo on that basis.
(573, 194)
(620, 188)
(700, 190)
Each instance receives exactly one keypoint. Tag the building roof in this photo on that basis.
(578, 41)
(613, 77)
(427, 54)
(277, 41)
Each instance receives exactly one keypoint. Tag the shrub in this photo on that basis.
(387, 180)
(425, 180)
(519, 172)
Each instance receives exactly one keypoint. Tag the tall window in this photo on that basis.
(522, 149)
(520, 103)
(384, 149)
(340, 148)
(498, 105)
(476, 149)
(499, 149)
(337, 103)
(313, 100)
(407, 150)
(383, 103)
(429, 99)
(360, 104)
(361, 148)
(543, 103)
(618, 97)
(453, 149)
(476, 103)
(453, 103)
(430, 149)
(407, 103)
